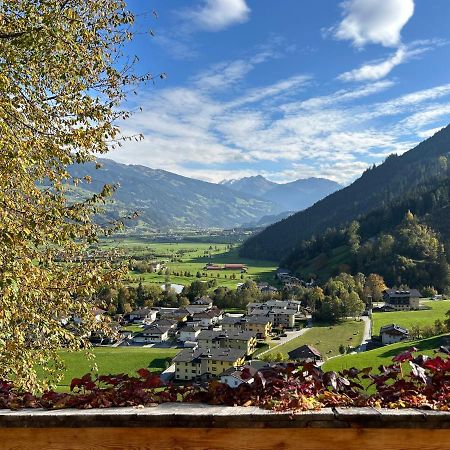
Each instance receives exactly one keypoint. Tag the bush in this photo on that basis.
(281, 387)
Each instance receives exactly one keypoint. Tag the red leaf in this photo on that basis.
(144, 373)
(76, 382)
(405, 356)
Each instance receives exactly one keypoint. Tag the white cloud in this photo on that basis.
(374, 21)
(376, 71)
(428, 133)
(379, 69)
(194, 131)
(216, 15)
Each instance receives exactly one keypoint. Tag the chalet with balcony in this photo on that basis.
(402, 300)
(153, 334)
(390, 334)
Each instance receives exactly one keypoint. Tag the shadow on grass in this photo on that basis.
(427, 344)
(159, 363)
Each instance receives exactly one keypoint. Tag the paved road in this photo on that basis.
(367, 335)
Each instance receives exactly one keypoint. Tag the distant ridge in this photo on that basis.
(385, 183)
(294, 196)
(165, 200)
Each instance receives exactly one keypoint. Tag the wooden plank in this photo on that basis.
(222, 439)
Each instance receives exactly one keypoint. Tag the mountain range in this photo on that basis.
(294, 196)
(167, 200)
(412, 180)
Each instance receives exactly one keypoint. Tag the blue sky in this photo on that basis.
(288, 89)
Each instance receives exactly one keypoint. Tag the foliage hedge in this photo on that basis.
(409, 382)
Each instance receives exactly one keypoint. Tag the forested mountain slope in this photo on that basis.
(406, 241)
(377, 187)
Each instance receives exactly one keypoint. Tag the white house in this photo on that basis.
(189, 333)
(152, 335)
(390, 334)
(208, 318)
(143, 315)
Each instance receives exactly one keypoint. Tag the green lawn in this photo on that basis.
(408, 318)
(114, 360)
(132, 328)
(192, 257)
(383, 355)
(327, 339)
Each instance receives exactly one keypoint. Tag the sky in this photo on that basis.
(287, 89)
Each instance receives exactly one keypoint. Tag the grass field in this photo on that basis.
(408, 318)
(384, 355)
(192, 257)
(327, 339)
(114, 360)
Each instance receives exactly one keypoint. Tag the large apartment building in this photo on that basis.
(206, 363)
(239, 339)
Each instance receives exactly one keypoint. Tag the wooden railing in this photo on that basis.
(188, 426)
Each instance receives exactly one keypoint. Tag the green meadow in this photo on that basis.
(326, 338)
(182, 257)
(384, 355)
(407, 319)
(114, 360)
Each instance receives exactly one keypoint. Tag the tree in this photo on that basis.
(123, 299)
(314, 298)
(140, 294)
(375, 287)
(353, 305)
(354, 239)
(447, 320)
(61, 86)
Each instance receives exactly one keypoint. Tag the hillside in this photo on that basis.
(378, 186)
(167, 200)
(294, 196)
(405, 241)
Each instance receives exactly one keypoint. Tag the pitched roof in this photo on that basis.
(210, 314)
(165, 322)
(393, 329)
(231, 320)
(205, 300)
(154, 329)
(403, 293)
(256, 319)
(190, 329)
(224, 334)
(305, 352)
(142, 312)
(215, 354)
(236, 372)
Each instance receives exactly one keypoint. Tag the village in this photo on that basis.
(213, 343)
